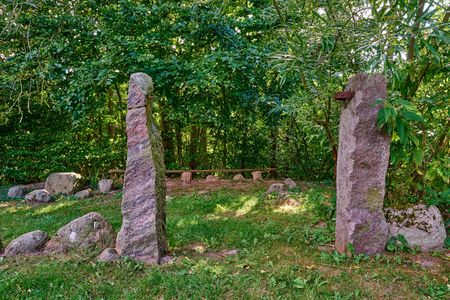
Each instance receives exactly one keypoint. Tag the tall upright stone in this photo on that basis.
(143, 232)
(363, 159)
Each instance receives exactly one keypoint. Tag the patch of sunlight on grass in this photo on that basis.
(242, 206)
(290, 209)
(184, 222)
(14, 209)
(51, 208)
(247, 207)
(220, 209)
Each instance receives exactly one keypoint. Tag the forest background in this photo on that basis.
(238, 84)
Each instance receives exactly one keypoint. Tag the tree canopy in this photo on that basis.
(237, 84)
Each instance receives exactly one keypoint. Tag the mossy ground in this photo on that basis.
(285, 253)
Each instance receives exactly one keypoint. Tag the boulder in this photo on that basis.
(105, 185)
(257, 175)
(238, 177)
(108, 255)
(186, 177)
(290, 183)
(63, 183)
(278, 188)
(28, 243)
(212, 178)
(39, 196)
(421, 226)
(84, 194)
(86, 232)
(18, 191)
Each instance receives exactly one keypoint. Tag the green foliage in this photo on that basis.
(398, 244)
(237, 84)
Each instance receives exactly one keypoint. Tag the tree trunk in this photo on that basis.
(179, 140)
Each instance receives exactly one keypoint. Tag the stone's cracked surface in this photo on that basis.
(362, 163)
(212, 178)
(421, 226)
(143, 232)
(278, 188)
(17, 191)
(84, 194)
(108, 255)
(238, 177)
(63, 183)
(28, 243)
(257, 175)
(290, 183)
(186, 177)
(88, 231)
(105, 185)
(140, 86)
(39, 197)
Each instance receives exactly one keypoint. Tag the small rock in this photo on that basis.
(222, 254)
(290, 183)
(427, 263)
(28, 243)
(17, 191)
(63, 183)
(238, 177)
(167, 259)
(186, 177)
(105, 185)
(88, 231)
(212, 178)
(421, 226)
(84, 194)
(108, 255)
(279, 188)
(39, 196)
(257, 175)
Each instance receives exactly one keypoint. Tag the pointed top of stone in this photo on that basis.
(140, 86)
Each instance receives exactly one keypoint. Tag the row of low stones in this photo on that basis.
(90, 231)
(187, 177)
(66, 183)
(422, 226)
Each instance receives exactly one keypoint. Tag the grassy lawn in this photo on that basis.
(285, 253)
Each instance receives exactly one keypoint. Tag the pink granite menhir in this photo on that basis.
(363, 159)
(143, 232)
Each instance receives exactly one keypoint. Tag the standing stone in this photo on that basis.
(257, 175)
(186, 177)
(362, 163)
(63, 183)
(143, 232)
(105, 185)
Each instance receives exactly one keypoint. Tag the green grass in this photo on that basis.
(280, 256)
